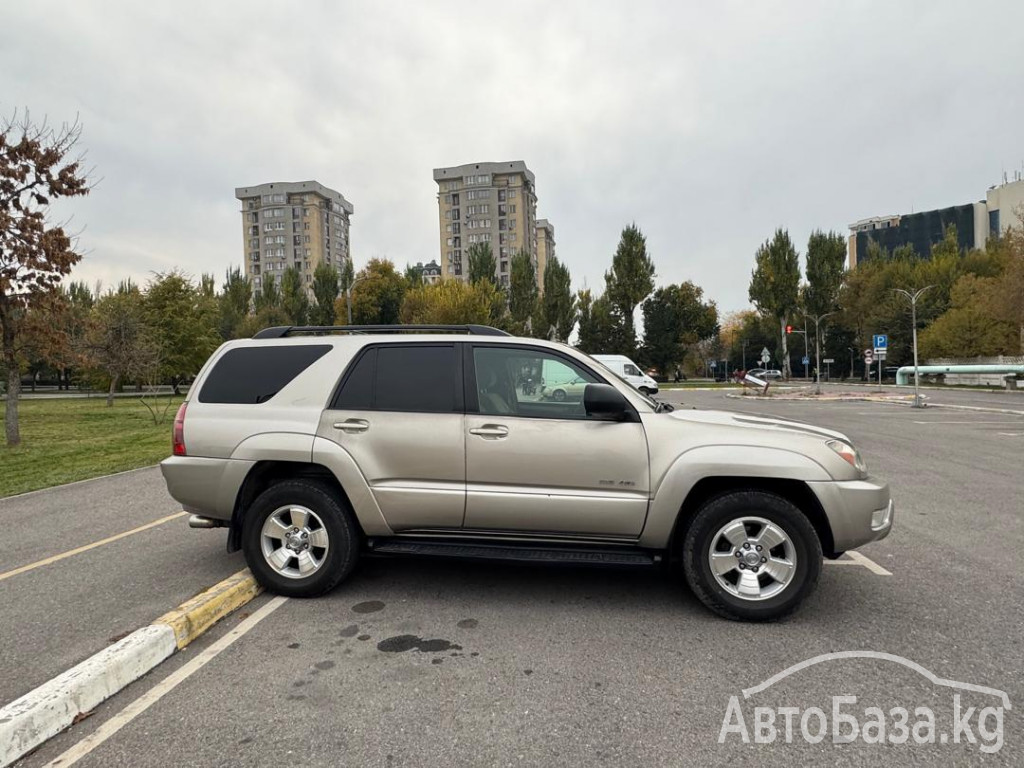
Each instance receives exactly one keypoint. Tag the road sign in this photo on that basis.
(880, 342)
(765, 358)
(806, 360)
(880, 354)
(714, 364)
(828, 360)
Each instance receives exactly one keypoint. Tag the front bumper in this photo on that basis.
(858, 511)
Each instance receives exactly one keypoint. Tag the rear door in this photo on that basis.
(537, 463)
(398, 413)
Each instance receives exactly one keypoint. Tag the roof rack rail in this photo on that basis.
(281, 331)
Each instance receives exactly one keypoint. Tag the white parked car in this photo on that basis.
(629, 371)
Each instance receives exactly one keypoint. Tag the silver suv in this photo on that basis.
(315, 446)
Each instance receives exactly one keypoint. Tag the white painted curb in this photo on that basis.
(40, 714)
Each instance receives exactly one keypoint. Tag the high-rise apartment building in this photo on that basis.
(494, 203)
(545, 247)
(293, 224)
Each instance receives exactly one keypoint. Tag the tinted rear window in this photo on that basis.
(255, 374)
(419, 378)
(357, 390)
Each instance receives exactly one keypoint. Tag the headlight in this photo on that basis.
(848, 452)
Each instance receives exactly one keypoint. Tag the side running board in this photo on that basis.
(522, 554)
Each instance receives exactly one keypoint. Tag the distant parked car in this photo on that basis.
(765, 373)
(565, 391)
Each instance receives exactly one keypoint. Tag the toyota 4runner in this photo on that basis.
(314, 446)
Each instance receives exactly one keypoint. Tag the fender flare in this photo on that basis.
(763, 463)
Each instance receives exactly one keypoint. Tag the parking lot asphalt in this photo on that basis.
(61, 612)
(420, 663)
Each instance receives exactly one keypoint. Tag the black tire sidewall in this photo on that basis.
(718, 512)
(341, 531)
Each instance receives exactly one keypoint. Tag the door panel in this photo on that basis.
(398, 413)
(540, 465)
(414, 463)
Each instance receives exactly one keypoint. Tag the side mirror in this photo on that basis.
(606, 402)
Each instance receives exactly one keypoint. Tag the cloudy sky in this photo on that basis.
(708, 124)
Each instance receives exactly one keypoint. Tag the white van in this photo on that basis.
(626, 369)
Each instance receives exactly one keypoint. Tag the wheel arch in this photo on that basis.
(264, 474)
(795, 491)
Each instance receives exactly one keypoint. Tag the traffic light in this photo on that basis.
(789, 329)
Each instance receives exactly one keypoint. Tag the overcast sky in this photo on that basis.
(708, 124)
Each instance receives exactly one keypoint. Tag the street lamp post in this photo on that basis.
(913, 297)
(852, 350)
(817, 348)
(348, 297)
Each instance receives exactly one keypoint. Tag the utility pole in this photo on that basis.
(744, 354)
(348, 297)
(817, 347)
(913, 297)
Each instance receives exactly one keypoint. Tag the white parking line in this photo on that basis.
(161, 689)
(856, 558)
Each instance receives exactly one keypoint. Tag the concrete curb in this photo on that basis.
(44, 712)
(906, 401)
(193, 617)
(901, 400)
(975, 408)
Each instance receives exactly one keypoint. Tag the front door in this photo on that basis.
(535, 461)
(398, 413)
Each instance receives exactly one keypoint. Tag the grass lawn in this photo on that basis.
(63, 440)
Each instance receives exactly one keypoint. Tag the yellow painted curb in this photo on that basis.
(193, 617)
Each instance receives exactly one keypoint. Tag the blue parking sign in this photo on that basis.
(881, 341)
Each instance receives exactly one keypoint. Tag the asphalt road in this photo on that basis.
(57, 614)
(418, 663)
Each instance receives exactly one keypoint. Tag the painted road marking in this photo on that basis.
(161, 689)
(856, 558)
(87, 547)
(1011, 434)
(1016, 421)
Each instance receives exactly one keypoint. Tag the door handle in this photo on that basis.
(490, 431)
(352, 426)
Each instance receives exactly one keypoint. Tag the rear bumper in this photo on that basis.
(203, 486)
(858, 511)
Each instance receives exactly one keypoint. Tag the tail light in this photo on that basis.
(178, 433)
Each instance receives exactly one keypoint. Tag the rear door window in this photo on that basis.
(420, 378)
(253, 375)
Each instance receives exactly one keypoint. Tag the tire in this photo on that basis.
(558, 395)
(763, 517)
(329, 524)
(645, 391)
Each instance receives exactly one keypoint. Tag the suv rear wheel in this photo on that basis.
(299, 539)
(751, 556)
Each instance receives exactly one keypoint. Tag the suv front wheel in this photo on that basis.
(299, 539)
(751, 556)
